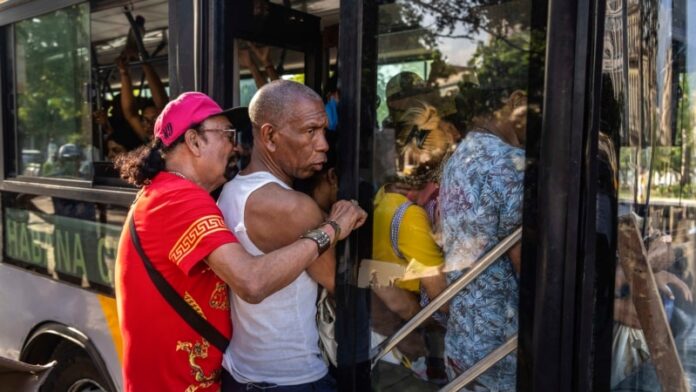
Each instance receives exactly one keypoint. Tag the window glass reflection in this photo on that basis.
(130, 77)
(52, 65)
(90, 91)
(647, 150)
(447, 168)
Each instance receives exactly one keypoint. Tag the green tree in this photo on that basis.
(501, 68)
(52, 64)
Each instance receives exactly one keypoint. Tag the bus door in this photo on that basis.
(436, 81)
(460, 118)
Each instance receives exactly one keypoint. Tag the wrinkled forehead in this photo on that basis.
(307, 110)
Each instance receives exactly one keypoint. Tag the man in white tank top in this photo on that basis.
(275, 342)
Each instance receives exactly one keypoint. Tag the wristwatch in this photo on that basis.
(336, 227)
(322, 239)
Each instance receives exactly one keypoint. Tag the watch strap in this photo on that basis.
(320, 237)
(336, 227)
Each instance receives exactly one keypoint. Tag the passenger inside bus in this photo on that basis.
(126, 109)
(402, 91)
(141, 117)
(405, 217)
(332, 97)
(481, 204)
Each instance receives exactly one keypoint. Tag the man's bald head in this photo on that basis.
(274, 101)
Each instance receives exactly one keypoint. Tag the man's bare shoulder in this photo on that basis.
(276, 216)
(274, 198)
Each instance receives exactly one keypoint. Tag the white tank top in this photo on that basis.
(275, 341)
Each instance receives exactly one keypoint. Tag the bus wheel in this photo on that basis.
(74, 372)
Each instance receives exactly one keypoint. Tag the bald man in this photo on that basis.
(275, 342)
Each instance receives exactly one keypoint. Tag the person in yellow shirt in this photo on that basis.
(402, 230)
(413, 237)
(403, 234)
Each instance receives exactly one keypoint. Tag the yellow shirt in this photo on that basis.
(415, 242)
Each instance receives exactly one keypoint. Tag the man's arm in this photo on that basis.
(159, 94)
(255, 278)
(264, 56)
(299, 213)
(247, 61)
(128, 100)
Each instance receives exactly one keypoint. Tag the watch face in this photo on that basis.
(323, 238)
(320, 237)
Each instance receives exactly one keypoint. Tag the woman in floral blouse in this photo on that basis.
(481, 204)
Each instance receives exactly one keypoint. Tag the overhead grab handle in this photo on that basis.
(135, 34)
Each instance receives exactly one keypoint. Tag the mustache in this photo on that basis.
(232, 167)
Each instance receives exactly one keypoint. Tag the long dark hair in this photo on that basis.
(140, 166)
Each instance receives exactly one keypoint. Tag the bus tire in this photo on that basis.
(74, 372)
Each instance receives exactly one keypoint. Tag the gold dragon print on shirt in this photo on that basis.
(198, 350)
(218, 299)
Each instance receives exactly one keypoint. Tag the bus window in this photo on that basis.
(88, 92)
(52, 67)
(646, 205)
(446, 167)
(130, 75)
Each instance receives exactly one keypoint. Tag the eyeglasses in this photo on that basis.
(231, 134)
(419, 135)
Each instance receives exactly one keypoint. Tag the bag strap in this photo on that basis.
(396, 226)
(192, 318)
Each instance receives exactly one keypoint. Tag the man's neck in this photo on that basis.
(186, 172)
(260, 162)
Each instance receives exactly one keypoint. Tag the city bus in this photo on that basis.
(603, 298)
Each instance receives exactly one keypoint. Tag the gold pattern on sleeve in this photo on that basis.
(195, 351)
(218, 299)
(193, 304)
(194, 234)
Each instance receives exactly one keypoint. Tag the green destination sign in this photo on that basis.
(74, 247)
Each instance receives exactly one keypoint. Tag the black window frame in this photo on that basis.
(182, 67)
(557, 346)
(12, 156)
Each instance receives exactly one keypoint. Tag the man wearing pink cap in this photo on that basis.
(176, 257)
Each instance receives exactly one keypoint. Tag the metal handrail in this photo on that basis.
(481, 366)
(388, 344)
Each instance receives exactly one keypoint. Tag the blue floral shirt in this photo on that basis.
(481, 204)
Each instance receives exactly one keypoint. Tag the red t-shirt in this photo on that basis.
(179, 225)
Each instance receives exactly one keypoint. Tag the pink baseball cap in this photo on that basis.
(190, 109)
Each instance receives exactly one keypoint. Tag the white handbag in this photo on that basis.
(326, 319)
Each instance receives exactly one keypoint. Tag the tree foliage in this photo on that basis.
(470, 18)
(52, 66)
(500, 69)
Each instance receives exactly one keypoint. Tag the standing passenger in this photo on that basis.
(182, 232)
(143, 123)
(481, 204)
(275, 344)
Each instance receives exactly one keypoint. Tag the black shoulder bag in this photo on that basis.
(192, 318)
